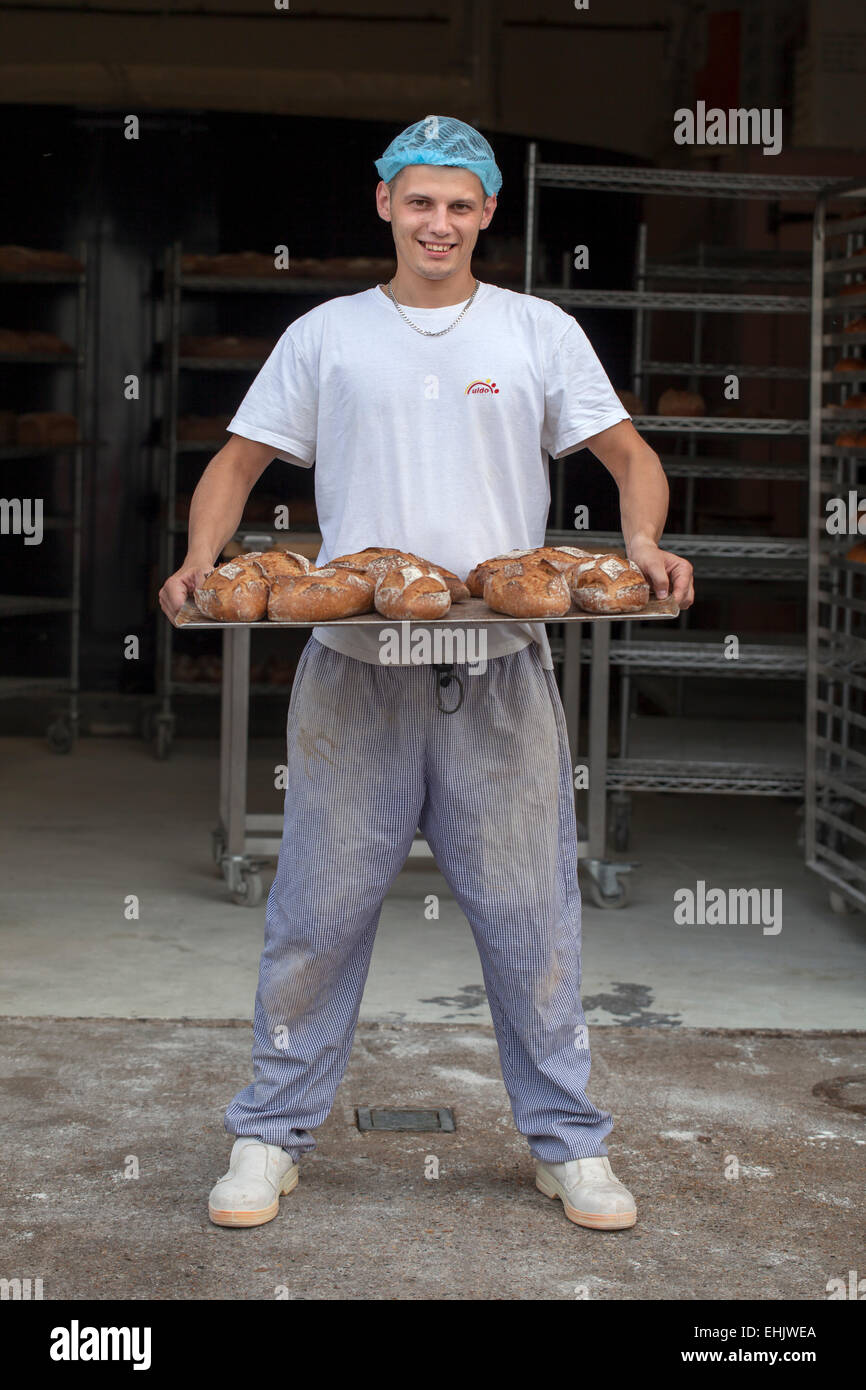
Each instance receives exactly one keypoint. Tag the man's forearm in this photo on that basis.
(644, 496)
(216, 509)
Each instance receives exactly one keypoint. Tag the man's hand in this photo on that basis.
(668, 574)
(180, 585)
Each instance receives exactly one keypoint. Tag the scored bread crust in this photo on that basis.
(410, 591)
(278, 564)
(377, 558)
(233, 593)
(562, 557)
(528, 589)
(320, 596)
(609, 584)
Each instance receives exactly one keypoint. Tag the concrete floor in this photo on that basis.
(127, 1039)
(84, 832)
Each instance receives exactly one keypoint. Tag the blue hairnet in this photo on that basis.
(442, 140)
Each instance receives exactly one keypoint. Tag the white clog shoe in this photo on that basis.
(249, 1193)
(589, 1192)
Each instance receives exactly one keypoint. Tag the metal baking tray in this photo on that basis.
(472, 612)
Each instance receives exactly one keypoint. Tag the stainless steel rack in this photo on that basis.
(835, 837)
(714, 557)
(179, 289)
(63, 728)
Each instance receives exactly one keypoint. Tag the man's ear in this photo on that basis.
(383, 201)
(489, 209)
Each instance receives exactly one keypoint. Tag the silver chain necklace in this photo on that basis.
(426, 331)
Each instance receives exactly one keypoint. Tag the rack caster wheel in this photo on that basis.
(840, 904)
(60, 737)
(217, 847)
(619, 898)
(250, 895)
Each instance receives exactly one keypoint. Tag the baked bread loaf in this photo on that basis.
(685, 403)
(608, 584)
(855, 402)
(378, 558)
(850, 439)
(527, 588)
(26, 340)
(561, 557)
(47, 427)
(25, 259)
(633, 404)
(204, 427)
(850, 364)
(234, 593)
(456, 588)
(361, 560)
(278, 564)
(857, 325)
(857, 552)
(231, 263)
(224, 346)
(477, 577)
(320, 596)
(859, 287)
(407, 590)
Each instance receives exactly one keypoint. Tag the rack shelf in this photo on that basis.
(62, 730)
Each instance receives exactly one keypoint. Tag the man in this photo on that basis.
(429, 407)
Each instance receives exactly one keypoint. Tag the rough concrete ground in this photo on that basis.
(85, 1099)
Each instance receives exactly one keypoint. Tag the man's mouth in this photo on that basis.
(437, 248)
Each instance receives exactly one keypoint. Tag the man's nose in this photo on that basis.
(439, 223)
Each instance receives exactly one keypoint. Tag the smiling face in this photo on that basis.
(436, 213)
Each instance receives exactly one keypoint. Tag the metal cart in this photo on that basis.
(835, 837)
(62, 730)
(241, 840)
(705, 283)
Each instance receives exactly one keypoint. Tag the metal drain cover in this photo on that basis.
(372, 1117)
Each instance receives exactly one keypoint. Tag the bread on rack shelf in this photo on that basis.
(850, 439)
(235, 264)
(26, 259)
(856, 401)
(202, 427)
(633, 404)
(224, 346)
(47, 427)
(684, 403)
(20, 341)
(850, 364)
(343, 267)
(857, 325)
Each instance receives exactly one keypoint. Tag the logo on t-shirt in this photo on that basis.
(482, 388)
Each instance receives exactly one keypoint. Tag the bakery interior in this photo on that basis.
(157, 162)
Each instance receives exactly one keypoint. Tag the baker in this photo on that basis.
(382, 390)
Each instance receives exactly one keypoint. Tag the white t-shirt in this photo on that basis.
(433, 445)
